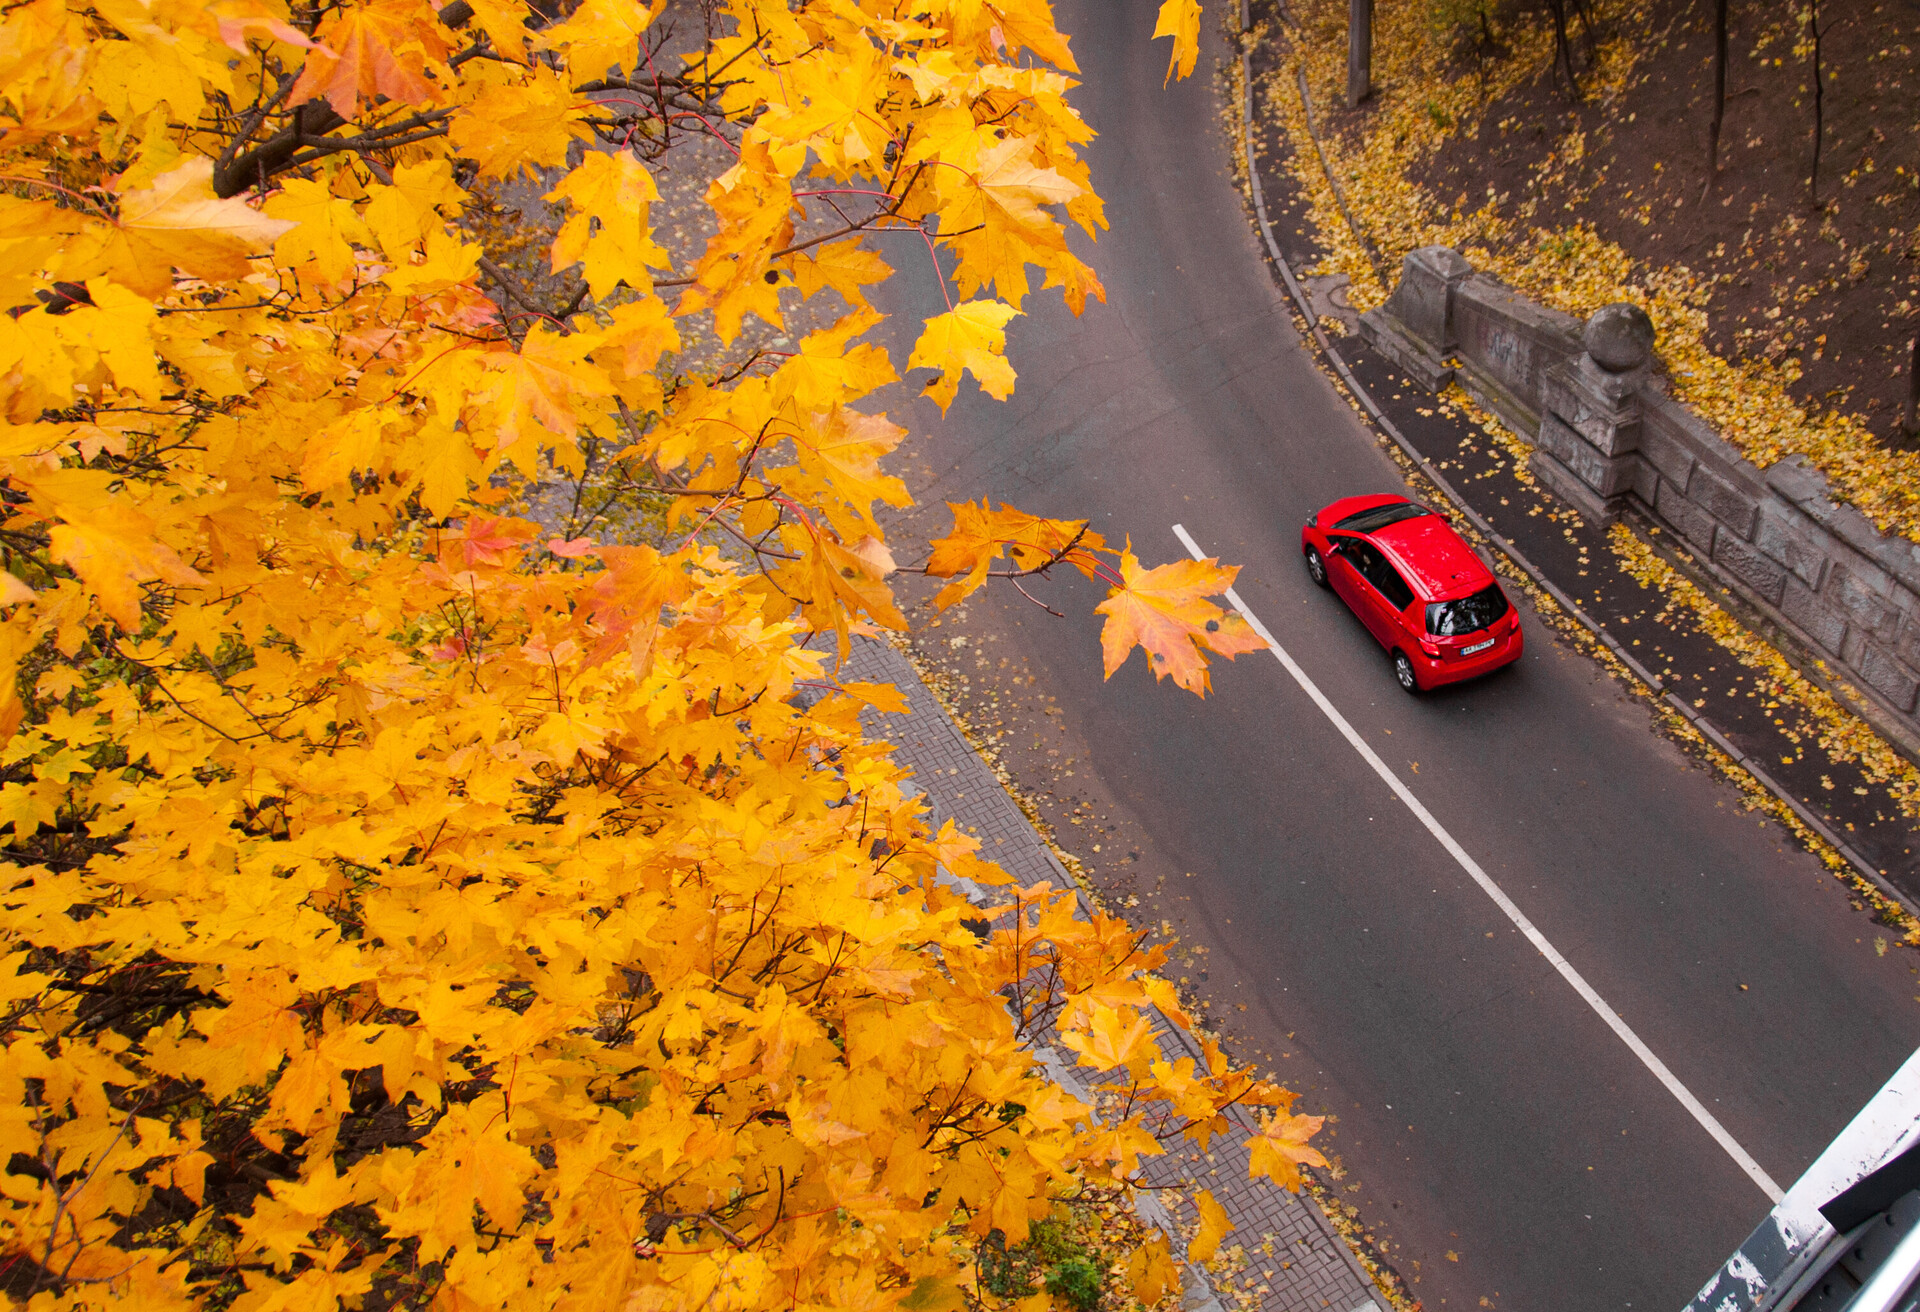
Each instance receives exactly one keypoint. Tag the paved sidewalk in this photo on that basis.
(1282, 1255)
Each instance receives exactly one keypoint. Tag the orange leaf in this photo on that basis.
(1280, 1149)
(1214, 1224)
(113, 553)
(361, 56)
(1150, 1271)
(837, 584)
(1165, 611)
(1113, 1039)
(545, 380)
(488, 543)
(980, 535)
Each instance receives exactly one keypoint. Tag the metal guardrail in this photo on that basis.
(1819, 1240)
(1890, 1284)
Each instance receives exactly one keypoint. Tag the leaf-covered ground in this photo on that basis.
(1785, 315)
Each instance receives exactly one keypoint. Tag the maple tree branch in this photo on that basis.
(940, 1123)
(313, 119)
(251, 123)
(755, 547)
(160, 685)
(305, 140)
(1036, 601)
(316, 150)
(65, 1200)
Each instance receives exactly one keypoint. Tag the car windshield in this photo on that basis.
(1450, 619)
(1376, 517)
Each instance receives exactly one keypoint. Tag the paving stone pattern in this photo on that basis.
(1291, 1259)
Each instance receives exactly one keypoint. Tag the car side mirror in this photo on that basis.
(1333, 547)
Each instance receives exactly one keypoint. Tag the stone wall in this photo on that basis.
(1608, 439)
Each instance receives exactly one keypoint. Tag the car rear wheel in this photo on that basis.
(1316, 567)
(1403, 671)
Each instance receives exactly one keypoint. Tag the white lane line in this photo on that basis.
(1505, 903)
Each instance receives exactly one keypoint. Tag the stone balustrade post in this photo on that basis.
(1414, 328)
(1590, 420)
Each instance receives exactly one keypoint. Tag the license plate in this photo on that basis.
(1478, 646)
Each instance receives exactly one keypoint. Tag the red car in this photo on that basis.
(1416, 585)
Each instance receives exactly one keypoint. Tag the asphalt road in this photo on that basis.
(1508, 1145)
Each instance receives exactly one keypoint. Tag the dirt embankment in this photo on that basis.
(1814, 271)
(1787, 303)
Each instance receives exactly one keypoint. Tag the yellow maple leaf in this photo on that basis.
(754, 202)
(321, 229)
(1151, 1272)
(448, 262)
(119, 325)
(1180, 19)
(527, 125)
(602, 35)
(1034, 29)
(347, 444)
(113, 552)
(835, 583)
(177, 222)
(26, 807)
(638, 334)
(407, 209)
(546, 380)
(1010, 179)
(843, 448)
(970, 338)
(1113, 1038)
(826, 373)
(846, 266)
(606, 231)
(443, 459)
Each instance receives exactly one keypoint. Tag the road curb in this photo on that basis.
(1656, 686)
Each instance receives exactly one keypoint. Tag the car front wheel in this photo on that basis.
(1404, 672)
(1316, 567)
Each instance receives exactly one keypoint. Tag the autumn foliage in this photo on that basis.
(411, 906)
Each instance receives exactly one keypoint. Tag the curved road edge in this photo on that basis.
(1818, 832)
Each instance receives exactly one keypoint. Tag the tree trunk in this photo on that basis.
(1582, 8)
(1359, 51)
(1563, 46)
(1719, 93)
(1819, 124)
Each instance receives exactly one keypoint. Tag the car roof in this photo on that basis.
(1436, 560)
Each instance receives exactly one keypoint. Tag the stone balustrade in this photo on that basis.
(1609, 440)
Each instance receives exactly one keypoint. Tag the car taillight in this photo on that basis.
(1432, 649)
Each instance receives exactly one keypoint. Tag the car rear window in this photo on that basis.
(1366, 521)
(1450, 619)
